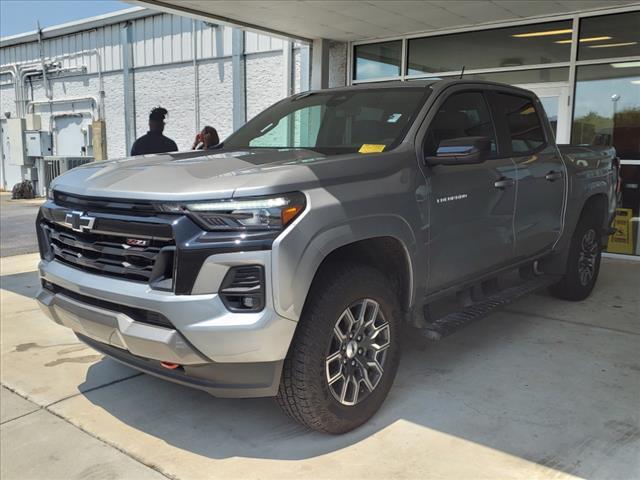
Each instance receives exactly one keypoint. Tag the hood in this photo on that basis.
(196, 175)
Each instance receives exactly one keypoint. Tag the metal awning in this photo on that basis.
(349, 20)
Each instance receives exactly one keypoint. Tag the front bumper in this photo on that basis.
(225, 353)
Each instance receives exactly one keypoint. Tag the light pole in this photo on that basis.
(614, 99)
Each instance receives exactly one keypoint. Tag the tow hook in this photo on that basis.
(170, 365)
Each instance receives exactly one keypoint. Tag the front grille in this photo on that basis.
(110, 255)
(137, 314)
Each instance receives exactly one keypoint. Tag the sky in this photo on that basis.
(19, 16)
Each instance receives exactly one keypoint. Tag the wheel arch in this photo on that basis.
(378, 241)
(596, 204)
(385, 253)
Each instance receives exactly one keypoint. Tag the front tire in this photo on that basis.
(346, 351)
(583, 264)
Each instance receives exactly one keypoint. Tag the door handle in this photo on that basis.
(504, 182)
(551, 176)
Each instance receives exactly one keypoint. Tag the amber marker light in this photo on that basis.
(290, 213)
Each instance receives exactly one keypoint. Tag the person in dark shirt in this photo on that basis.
(207, 139)
(154, 141)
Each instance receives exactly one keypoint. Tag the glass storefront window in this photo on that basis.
(609, 36)
(377, 60)
(626, 240)
(504, 47)
(521, 77)
(607, 107)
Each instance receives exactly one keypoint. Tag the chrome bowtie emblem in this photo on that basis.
(78, 221)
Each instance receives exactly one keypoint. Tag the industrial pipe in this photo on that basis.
(93, 100)
(47, 93)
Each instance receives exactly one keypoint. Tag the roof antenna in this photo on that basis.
(462, 72)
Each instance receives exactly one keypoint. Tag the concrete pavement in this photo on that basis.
(545, 389)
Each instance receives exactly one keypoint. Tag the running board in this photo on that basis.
(445, 326)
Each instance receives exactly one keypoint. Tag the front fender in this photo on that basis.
(328, 225)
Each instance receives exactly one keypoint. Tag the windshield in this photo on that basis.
(371, 120)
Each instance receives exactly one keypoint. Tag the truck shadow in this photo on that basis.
(25, 284)
(524, 386)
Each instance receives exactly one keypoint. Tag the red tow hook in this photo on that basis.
(170, 365)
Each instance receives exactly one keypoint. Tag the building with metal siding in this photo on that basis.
(203, 73)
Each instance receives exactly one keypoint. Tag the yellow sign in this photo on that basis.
(371, 148)
(622, 240)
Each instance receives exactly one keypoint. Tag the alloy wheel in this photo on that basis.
(588, 257)
(356, 357)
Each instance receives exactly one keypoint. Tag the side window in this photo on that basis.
(462, 115)
(523, 123)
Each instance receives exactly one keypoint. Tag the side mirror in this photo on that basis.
(460, 151)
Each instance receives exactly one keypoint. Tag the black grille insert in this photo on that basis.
(111, 254)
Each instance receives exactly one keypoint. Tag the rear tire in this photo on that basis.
(583, 263)
(348, 335)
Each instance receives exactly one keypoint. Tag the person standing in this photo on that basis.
(207, 139)
(154, 141)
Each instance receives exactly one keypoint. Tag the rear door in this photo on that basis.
(541, 171)
(471, 206)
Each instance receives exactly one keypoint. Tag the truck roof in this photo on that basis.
(425, 84)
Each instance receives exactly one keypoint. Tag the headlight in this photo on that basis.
(251, 213)
(50, 193)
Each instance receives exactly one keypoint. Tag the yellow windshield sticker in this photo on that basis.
(371, 148)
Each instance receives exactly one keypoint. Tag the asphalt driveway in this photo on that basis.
(17, 230)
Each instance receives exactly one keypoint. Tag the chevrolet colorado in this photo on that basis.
(285, 262)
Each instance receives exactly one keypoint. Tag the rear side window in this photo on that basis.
(523, 124)
(463, 114)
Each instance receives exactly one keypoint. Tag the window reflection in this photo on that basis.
(609, 36)
(378, 60)
(504, 47)
(607, 107)
(519, 77)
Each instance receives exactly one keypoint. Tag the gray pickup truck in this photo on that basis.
(286, 262)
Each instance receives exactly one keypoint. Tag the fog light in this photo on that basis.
(248, 302)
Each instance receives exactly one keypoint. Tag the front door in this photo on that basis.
(472, 205)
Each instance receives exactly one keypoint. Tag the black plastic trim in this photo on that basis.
(138, 314)
(232, 290)
(239, 380)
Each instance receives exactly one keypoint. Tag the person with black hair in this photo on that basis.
(154, 141)
(207, 139)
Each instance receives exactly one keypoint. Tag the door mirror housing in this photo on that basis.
(461, 151)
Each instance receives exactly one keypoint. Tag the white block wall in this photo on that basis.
(216, 95)
(265, 81)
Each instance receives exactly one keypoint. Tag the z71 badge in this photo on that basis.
(137, 242)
